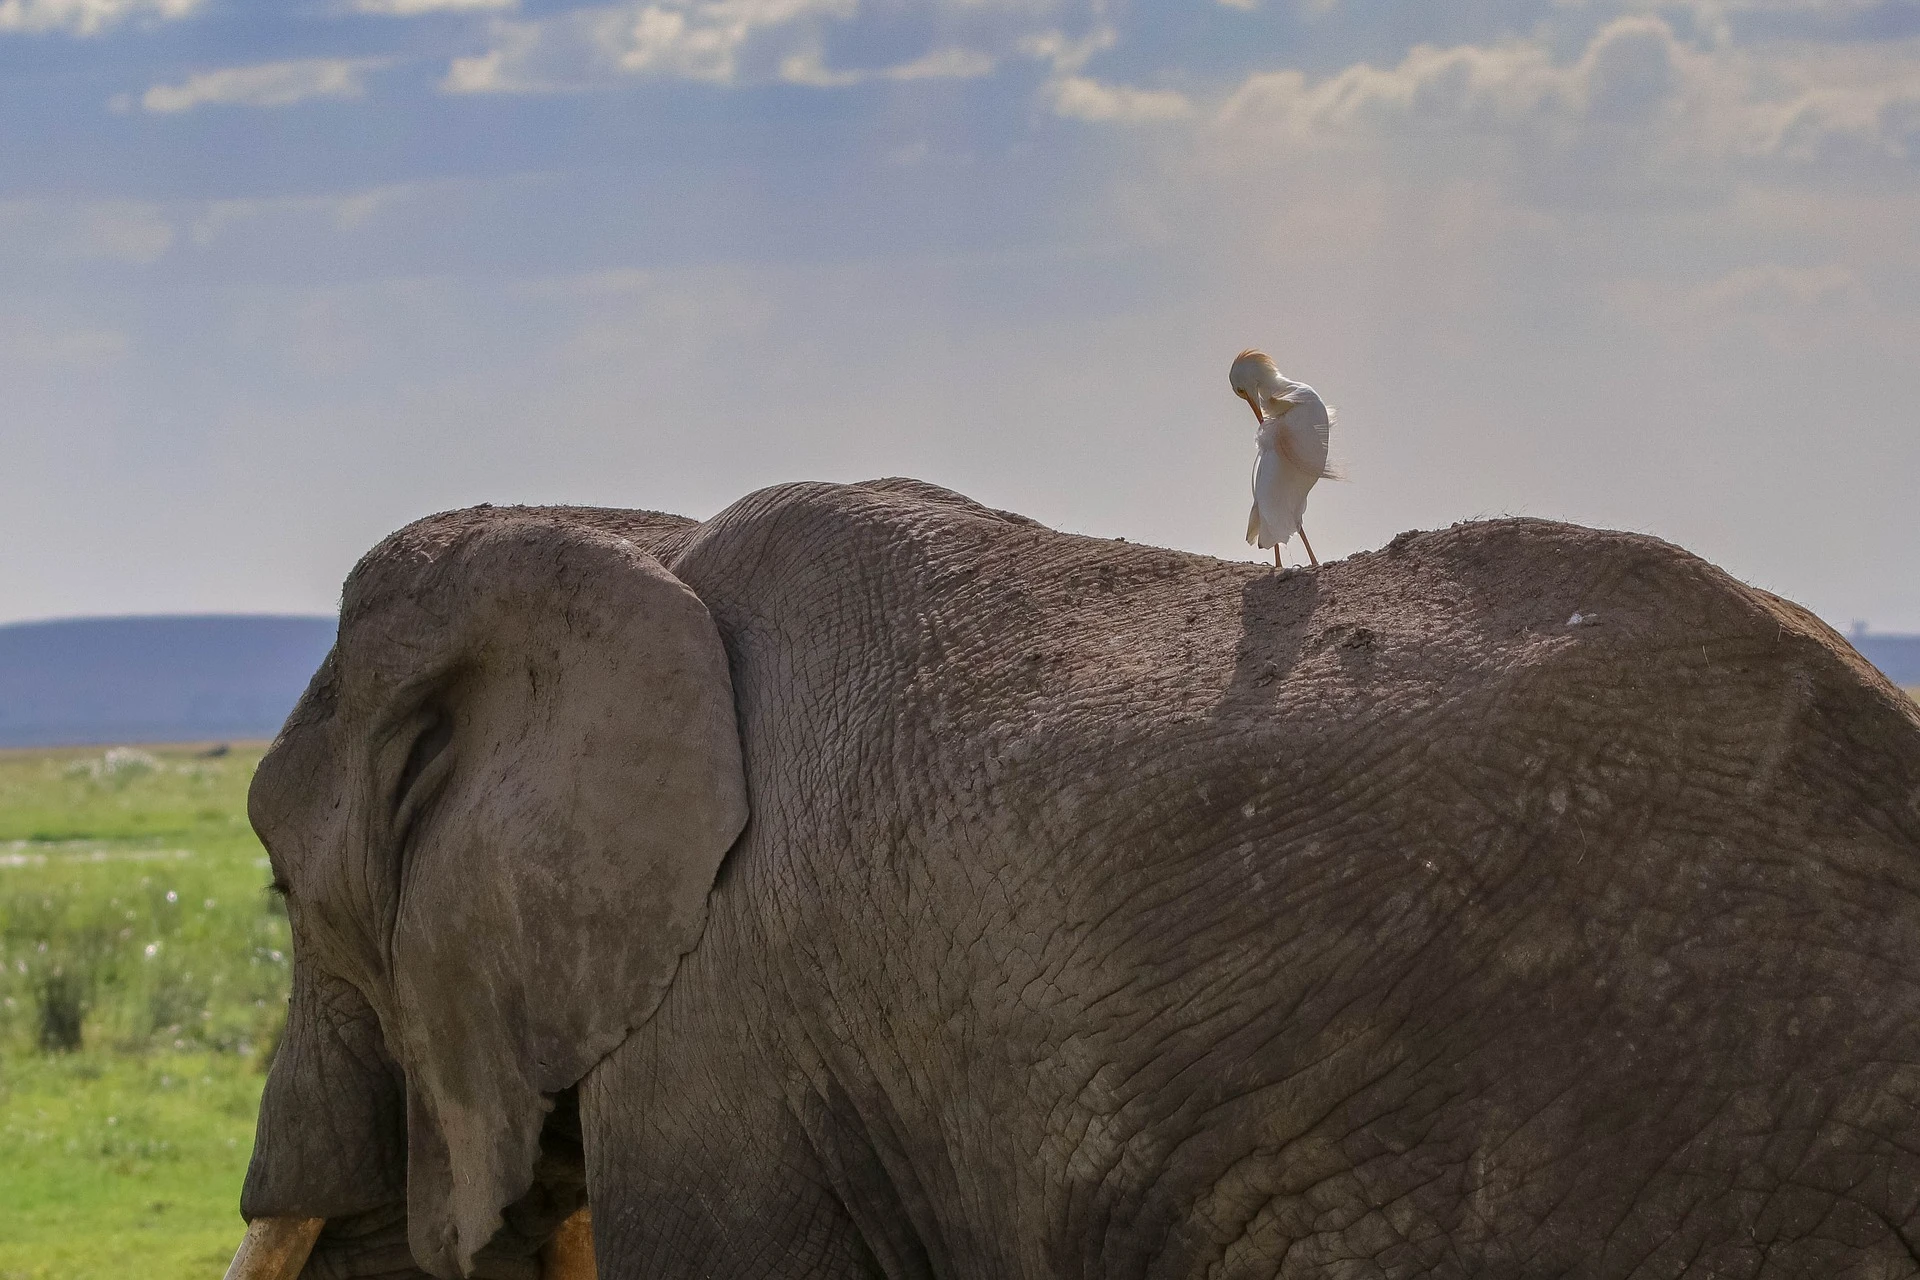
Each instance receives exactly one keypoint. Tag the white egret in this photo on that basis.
(1293, 425)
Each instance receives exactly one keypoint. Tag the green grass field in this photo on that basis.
(143, 974)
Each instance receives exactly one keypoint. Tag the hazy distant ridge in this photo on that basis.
(154, 679)
(1898, 656)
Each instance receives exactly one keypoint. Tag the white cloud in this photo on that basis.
(53, 237)
(269, 84)
(29, 341)
(941, 64)
(342, 212)
(140, 232)
(661, 41)
(1715, 19)
(488, 72)
(746, 42)
(1761, 289)
(1789, 311)
(1067, 54)
(702, 40)
(1628, 71)
(660, 322)
(1083, 98)
(1778, 6)
(1772, 285)
(87, 17)
(120, 231)
(1844, 106)
(414, 8)
(1745, 203)
(596, 286)
(41, 231)
(1636, 92)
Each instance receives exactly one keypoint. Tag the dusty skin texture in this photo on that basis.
(1101, 911)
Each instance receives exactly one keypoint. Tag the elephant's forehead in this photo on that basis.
(400, 607)
(411, 597)
(383, 653)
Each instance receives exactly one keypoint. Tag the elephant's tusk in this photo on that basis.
(569, 1254)
(274, 1248)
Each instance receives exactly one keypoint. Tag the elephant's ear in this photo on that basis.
(562, 796)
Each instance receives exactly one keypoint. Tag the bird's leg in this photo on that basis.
(1309, 546)
(1276, 555)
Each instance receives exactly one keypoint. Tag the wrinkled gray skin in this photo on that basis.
(1103, 911)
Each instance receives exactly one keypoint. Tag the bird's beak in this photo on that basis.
(1254, 405)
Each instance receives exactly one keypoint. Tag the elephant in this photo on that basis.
(867, 882)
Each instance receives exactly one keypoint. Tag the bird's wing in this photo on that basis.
(1307, 427)
(1253, 524)
(1301, 394)
(1296, 452)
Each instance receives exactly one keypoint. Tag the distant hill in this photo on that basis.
(154, 679)
(1898, 656)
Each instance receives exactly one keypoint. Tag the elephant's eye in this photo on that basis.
(432, 740)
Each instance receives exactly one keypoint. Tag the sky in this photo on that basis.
(277, 278)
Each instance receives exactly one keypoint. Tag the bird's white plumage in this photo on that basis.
(1291, 447)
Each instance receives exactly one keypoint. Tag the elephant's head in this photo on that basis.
(496, 815)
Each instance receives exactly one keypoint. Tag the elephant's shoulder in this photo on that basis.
(808, 527)
(940, 497)
(896, 501)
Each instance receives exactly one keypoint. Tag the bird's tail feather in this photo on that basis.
(1329, 471)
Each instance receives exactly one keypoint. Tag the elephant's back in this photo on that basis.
(1487, 904)
(1490, 902)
